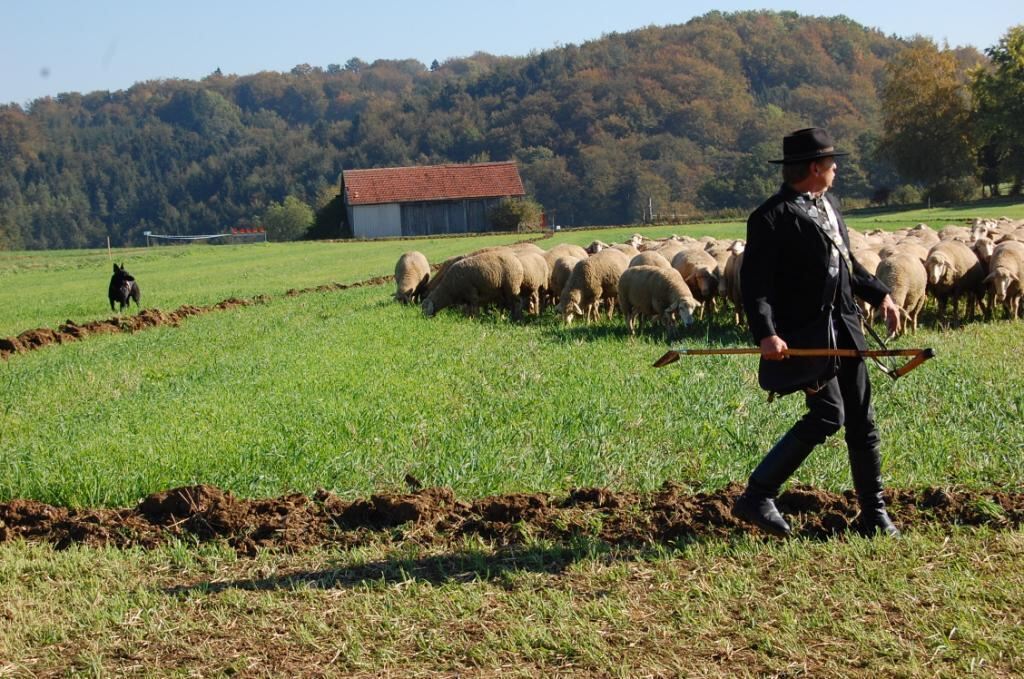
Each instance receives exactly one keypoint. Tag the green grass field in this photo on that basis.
(349, 391)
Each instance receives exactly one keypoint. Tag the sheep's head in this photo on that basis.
(681, 312)
(703, 283)
(568, 306)
(428, 307)
(571, 310)
(999, 281)
(938, 267)
(984, 247)
(737, 247)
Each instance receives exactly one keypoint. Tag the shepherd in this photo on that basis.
(123, 288)
(798, 280)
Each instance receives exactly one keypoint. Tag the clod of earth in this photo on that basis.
(434, 515)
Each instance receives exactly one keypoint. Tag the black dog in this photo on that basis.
(123, 288)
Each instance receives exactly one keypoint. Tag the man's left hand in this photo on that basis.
(891, 313)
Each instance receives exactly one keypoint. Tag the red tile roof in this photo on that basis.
(432, 182)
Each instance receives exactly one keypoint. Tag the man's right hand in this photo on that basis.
(772, 348)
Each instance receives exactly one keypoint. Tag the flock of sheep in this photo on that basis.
(674, 279)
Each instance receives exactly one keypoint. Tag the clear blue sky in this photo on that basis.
(49, 46)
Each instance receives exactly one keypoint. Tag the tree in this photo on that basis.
(926, 112)
(288, 220)
(515, 214)
(999, 98)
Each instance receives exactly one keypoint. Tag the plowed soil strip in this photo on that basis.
(435, 516)
(70, 331)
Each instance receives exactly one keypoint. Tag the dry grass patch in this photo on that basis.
(928, 604)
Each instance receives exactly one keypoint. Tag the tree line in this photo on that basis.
(654, 124)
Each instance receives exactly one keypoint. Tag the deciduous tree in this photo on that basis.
(999, 95)
(926, 110)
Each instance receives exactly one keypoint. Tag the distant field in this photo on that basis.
(44, 289)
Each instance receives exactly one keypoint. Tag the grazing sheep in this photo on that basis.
(412, 273)
(636, 240)
(535, 281)
(565, 249)
(522, 248)
(907, 279)
(561, 270)
(730, 282)
(670, 248)
(907, 246)
(494, 277)
(955, 232)
(573, 252)
(954, 270)
(700, 271)
(123, 289)
(925, 234)
(655, 292)
(721, 250)
(626, 249)
(869, 259)
(983, 247)
(438, 276)
(650, 258)
(1006, 267)
(593, 280)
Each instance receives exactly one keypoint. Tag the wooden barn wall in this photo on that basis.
(464, 216)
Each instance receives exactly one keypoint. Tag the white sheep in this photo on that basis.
(905, 276)
(700, 271)
(593, 280)
(574, 252)
(561, 270)
(565, 249)
(1006, 267)
(412, 273)
(868, 258)
(907, 246)
(535, 281)
(925, 234)
(954, 270)
(625, 248)
(730, 283)
(655, 292)
(493, 277)
(650, 258)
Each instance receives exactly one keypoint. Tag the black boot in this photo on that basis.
(757, 503)
(866, 467)
(757, 507)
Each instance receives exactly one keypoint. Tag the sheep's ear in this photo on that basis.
(115, 267)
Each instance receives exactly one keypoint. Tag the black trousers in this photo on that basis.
(844, 401)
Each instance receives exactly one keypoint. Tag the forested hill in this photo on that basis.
(682, 118)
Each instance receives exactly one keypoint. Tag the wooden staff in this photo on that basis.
(919, 356)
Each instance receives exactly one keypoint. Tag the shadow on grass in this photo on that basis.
(712, 331)
(458, 567)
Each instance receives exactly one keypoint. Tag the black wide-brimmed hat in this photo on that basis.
(807, 144)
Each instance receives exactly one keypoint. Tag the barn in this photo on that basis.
(426, 200)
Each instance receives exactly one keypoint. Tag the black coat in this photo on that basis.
(785, 272)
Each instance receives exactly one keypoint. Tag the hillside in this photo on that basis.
(680, 117)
